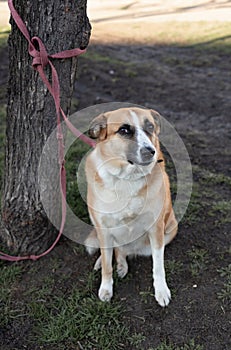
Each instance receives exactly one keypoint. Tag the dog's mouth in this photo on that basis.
(139, 163)
(144, 164)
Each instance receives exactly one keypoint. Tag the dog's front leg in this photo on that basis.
(106, 287)
(162, 292)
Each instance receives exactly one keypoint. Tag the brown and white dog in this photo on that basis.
(128, 196)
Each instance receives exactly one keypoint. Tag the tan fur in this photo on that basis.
(129, 204)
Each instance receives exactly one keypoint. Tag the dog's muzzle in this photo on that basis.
(145, 157)
(147, 154)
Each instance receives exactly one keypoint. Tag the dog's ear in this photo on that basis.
(156, 117)
(98, 128)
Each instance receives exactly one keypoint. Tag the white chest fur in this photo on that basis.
(119, 197)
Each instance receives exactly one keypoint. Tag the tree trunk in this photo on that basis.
(31, 117)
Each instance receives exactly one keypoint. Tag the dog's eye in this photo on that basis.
(125, 130)
(149, 128)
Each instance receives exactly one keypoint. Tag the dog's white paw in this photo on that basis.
(105, 291)
(122, 269)
(162, 295)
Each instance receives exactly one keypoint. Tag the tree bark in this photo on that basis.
(31, 117)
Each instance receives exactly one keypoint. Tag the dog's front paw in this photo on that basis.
(162, 294)
(105, 291)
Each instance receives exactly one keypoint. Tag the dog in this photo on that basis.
(128, 196)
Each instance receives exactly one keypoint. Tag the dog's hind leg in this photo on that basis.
(168, 237)
(98, 263)
(122, 266)
(92, 243)
(170, 229)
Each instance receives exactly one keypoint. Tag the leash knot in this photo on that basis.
(39, 53)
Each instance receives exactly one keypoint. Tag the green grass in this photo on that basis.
(192, 215)
(95, 56)
(173, 267)
(190, 346)
(147, 295)
(130, 70)
(65, 316)
(221, 211)
(9, 275)
(78, 318)
(73, 158)
(225, 294)
(207, 177)
(206, 198)
(199, 260)
(136, 340)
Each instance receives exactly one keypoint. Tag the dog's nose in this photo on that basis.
(147, 152)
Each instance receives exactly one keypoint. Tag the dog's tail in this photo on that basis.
(92, 242)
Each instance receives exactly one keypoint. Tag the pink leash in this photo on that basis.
(40, 60)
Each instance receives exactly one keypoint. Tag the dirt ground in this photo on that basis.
(190, 87)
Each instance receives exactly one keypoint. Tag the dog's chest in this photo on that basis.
(120, 201)
(128, 197)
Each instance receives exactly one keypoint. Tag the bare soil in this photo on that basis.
(190, 87)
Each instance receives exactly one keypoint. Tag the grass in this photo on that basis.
(136, 340)
(95, 56)
(68, 319)
(76, 316)
(8, 277)
(225, 294)
(147, 295)
(199, 260)
(221, 211)
(192, 216)
(190, 346)
(73, 158)
(173, 267)
(207, 177)
(206, 198)
(63, 317)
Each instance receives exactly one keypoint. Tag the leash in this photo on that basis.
(40, 60)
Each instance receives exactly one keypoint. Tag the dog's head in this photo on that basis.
(128, 134)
